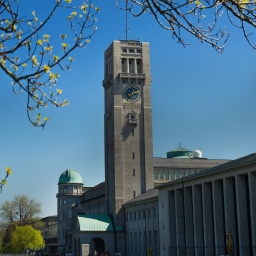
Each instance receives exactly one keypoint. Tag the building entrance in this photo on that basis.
(98, 246)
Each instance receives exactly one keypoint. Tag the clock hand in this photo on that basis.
(135, 92)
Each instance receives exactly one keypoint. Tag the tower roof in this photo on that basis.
(70, 176)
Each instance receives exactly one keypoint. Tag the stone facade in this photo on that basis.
(128, 124)
(210, 213)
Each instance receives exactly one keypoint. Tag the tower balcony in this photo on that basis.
(107, 81)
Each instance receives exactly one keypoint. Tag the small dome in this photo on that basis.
(198, 154)
(70, 176)
(180, 153)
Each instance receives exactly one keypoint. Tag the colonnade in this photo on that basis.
(216, 217)
(131, 65)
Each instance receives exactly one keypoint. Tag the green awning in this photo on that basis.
(95, 222)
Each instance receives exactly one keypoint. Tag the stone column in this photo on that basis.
(252, 193)
(127, 65)
(198, 220)
(243, 208)
(219, 220)
(208, 219)
(135, 66)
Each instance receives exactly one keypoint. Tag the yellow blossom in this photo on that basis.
(47, 68)
(97, 9)
(46, 119)
(8, 170)
(24, 65)
(3, 61)
(59, 91)
(34, 60)
(49, 48)
(64, 103)
(63, 36)
(71, 59)
(73, 14)
(64, 46)
(55, 58)
(4, 182)
(46, 36)
(14, 28)
(87, 41)
(68, 1)
(83, 8)
(40, 42)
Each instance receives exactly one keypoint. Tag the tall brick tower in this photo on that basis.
(128, 124)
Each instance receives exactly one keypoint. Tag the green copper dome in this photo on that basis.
(180, 153)
(70, 176)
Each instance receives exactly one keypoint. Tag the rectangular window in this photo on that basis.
(139, 243)
(154, 213)
(133, 155)
(133, 172)
(131, 242)
(176, 174)
(155, 243)
(166, 174)
(149, 213)
(150, 238)
(135, 242)
(134, 216)
(131, 50)
(139, 215)
(161, 174)
(155, 175)
(60, 202)
(171, 173)
(145, 242)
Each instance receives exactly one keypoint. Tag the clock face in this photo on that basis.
(132, 93)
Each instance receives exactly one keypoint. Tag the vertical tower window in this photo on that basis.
(133, 172)
(123, 65)
(134, 193)
(133, 155)
(132, 132)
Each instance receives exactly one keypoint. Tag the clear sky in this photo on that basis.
(200, 98)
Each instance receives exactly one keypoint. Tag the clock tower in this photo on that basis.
(128, 124)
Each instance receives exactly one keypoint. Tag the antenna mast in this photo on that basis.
(126, 19)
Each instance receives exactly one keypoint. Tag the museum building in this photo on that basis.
(121, 215)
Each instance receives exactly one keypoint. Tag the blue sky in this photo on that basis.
(200, 98)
